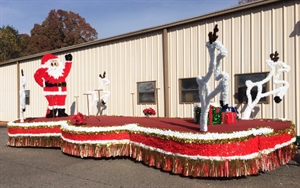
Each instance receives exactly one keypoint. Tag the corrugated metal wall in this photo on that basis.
(126, 62)
(249, 35)
(37, 104)
(9, 95)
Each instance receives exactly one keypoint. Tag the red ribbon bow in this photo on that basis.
(79, 119)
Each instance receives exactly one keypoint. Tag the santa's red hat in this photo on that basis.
(47, 57)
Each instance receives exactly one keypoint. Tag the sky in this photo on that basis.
(109, 17)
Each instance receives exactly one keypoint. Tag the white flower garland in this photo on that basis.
(35, 124)
(170, 133)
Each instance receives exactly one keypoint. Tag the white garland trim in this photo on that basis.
(197, 157)
(104, 142)
(36, 124)
(182, 135)
(270, 150)
(35, 135)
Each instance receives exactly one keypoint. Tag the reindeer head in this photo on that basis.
(274, 56)
(103, 75)
(213, 36)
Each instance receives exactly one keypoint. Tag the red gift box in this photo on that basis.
(228, 117)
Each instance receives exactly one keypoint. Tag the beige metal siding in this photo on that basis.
(8, 95)
(37, 104)
(126, 62)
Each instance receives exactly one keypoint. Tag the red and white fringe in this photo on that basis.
(43, 141)
(185, 166)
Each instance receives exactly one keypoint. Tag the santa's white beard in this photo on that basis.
(56, 72)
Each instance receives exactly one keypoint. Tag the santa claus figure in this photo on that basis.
(51, 76)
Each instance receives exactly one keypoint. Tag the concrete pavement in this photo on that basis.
(48, 167)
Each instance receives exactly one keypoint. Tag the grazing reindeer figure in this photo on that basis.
(272, 63)
(214, 66)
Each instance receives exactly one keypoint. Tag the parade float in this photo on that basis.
(225, 146)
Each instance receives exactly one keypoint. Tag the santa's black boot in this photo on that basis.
(54, 112)
(51, 114)
(62, 113)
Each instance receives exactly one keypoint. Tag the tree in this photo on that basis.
(60, 29)
(9, 43)
(241, 2)
(25, 38)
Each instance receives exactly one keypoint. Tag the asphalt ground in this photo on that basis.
(49, 167)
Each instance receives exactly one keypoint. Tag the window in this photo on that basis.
(146, 92)
(27, 97)
(188, 90)
(241, 88)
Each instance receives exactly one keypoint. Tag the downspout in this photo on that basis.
(18, 88)
(166, 74)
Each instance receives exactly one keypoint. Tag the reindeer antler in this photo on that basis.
(213, 36)
(103, 75)
(274, 56)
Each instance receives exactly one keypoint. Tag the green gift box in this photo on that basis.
(298, 141)
(214, 115)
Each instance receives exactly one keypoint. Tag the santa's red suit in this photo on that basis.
(52, 77)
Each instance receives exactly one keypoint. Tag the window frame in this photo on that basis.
(236, 87)
(27, 97)
(181, 91)
(139, 92)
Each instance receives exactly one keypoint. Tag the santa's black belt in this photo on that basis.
(59, 84)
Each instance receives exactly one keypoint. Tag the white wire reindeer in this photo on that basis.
(272, 63)
(203, 82)
(22, 96)
(93, 97)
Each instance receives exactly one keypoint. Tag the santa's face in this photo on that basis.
(55, 68)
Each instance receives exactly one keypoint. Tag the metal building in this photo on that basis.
(165, 55)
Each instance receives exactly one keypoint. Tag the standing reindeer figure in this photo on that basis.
(103, 82)
(272, 63)
(22, 96)
(214, 66)
(93, 97)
